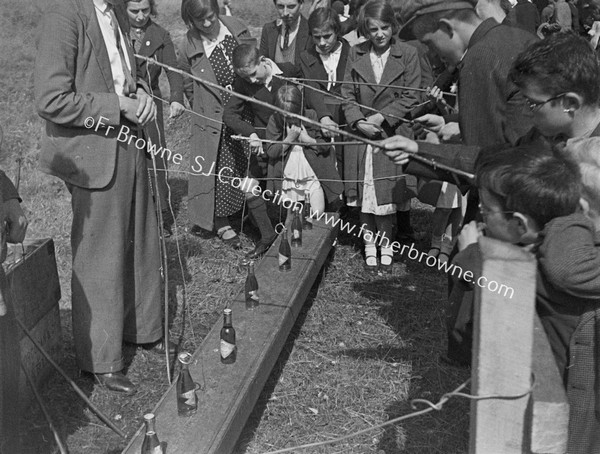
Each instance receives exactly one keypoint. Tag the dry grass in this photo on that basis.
(361, 349)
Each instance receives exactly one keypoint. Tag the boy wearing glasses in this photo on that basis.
(558, 77)
(530, 197)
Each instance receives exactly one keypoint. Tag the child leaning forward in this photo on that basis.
(301, 164)
(530, 196)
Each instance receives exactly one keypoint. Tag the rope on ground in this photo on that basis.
(430, 407)
(437, 406)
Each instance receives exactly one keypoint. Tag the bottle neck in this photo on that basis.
(251, 269)
(150, 425)
(226, 319)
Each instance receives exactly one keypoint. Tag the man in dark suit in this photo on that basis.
(87, 91)
(285, 38)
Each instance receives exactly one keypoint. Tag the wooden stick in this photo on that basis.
(60, 443)
(347, 82)
(373, 143)
(76, 388)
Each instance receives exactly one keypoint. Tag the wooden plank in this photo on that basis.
(34, 287)
(232, 390)
(502, 349)
(34, 290)
(33, 281)
(550, 407)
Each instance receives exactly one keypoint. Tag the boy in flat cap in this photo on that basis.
(491, 108)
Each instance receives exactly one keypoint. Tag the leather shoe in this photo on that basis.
(158, 348)
(117, 382)
(261, 248)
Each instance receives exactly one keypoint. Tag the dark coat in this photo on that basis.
(401, 69)
(527, 16)
(206, 129)
(491, 107)
(320, 158)
(270, 33)
(157, 44)
(568, 303)
(234, 109)
(312, 68)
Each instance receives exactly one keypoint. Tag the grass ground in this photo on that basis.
(361, 349)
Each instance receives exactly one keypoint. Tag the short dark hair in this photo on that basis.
(299, 2)
(196, 9)
(563, 62)
(153, 10)
(536, 180)
(380, 10)
(430, 22)
(245, 55)
(324, 17)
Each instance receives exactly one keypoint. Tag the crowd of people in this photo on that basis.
(509, 93)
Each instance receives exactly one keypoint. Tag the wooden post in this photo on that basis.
(502, 348)
(550, 408)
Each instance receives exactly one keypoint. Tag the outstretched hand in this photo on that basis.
(398, 149)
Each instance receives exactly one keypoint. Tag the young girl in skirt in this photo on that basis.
(295, 169)
(375, 185)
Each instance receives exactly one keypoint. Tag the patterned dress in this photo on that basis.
(232, 160)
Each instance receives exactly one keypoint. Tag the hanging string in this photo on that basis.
(161, 238)
(376, 144)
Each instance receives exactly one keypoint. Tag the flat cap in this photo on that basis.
(411, 9)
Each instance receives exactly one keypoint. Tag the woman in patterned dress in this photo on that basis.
(215, 157)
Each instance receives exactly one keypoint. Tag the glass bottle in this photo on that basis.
(151, 444)
(251, 288)
(307, 220)
(227, 349)
(187, 401)
(296, 230)
(285, 253)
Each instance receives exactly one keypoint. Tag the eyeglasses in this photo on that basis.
(535, 105)
(485, 211)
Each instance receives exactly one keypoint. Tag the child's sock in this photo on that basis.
(371, 254)
(387, 255)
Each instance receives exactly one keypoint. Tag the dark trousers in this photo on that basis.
(116, 282)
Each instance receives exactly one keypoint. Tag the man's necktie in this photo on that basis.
(286, 36)
(138, 33)
(130, 85)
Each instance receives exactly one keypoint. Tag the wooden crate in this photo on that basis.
(35, 291)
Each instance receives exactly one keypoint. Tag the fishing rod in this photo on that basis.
(373, 143)
(341, 98)
(348, 82)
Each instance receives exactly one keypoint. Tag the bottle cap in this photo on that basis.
(148, 416)
(227, 311)
(185, 358)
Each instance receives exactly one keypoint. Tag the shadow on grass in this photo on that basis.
(261, 405)
(413, 306)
